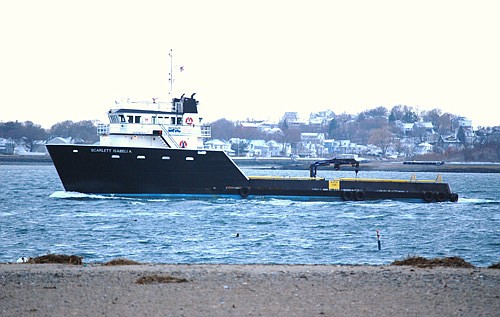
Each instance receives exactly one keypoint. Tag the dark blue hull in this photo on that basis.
(150, 171)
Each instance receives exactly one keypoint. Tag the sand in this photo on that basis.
(246, 290)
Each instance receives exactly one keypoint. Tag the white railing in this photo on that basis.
(206, 131)
(166, 135)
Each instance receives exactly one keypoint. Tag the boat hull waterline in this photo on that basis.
(131, 171)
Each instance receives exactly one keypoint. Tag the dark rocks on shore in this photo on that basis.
(494, 266)
(121, 261)
(56, 258)
(157, 279)
(421, 262)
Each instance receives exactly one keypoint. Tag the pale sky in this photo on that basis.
(70, 60)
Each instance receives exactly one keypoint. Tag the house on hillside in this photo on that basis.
(314, 138)
(7, 146)
(275, 148)
(39, 147)
(60, 140)
(216, 144)
(258, 148)
(406, 128)
(311, 145)
(292, 120)
(449, 142)
(330, 146)
(321, 118)
(423, 148)
(311, 150)
(462, 122)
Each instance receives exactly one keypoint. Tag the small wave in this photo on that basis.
(158, 200)
(77, 195)
(381, 204)
(478, 201)
(359, 216)
(346, 247)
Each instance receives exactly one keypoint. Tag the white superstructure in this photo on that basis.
(154, 124)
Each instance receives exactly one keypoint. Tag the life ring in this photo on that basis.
(183, 144)
(244, 192)
(359, 195)
(347, 195)
(440, 196)
(428, 197)
(189, 120)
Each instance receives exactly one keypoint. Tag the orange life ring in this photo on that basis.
(183, 144)
(189, 120)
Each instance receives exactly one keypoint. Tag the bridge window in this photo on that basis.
(114, 119)
(137, 119)
(130, 119)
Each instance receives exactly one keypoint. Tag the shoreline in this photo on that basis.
(303, 164)
(246, 290)
(383, 166)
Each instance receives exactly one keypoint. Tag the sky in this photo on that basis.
(70, 60)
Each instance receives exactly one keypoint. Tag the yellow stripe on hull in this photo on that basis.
(381, 180)
(278, 178)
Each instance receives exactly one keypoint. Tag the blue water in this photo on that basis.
(38, 217)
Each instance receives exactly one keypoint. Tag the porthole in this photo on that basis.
(189, 158)
(115, 156)
(166, 158)
(141, 157)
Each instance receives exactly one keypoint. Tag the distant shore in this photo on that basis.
(303, 164)
(246, 290)
(389, 166)
(24, 159)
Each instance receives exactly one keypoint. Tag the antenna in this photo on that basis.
(171, 75)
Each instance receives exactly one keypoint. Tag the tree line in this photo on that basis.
(28, 132)
(369, 126)
(379, 126)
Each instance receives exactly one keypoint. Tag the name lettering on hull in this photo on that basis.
(108, 150)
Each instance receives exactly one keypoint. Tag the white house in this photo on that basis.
(423, 148)
(275, 148)
(315, 138)
(258, 148)
(216, 144)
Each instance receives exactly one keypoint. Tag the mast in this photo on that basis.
(171, 75)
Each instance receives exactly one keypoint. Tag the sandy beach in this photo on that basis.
(246, 290)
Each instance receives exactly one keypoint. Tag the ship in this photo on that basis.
(157, 148)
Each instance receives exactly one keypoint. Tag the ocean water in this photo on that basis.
(38, 217)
